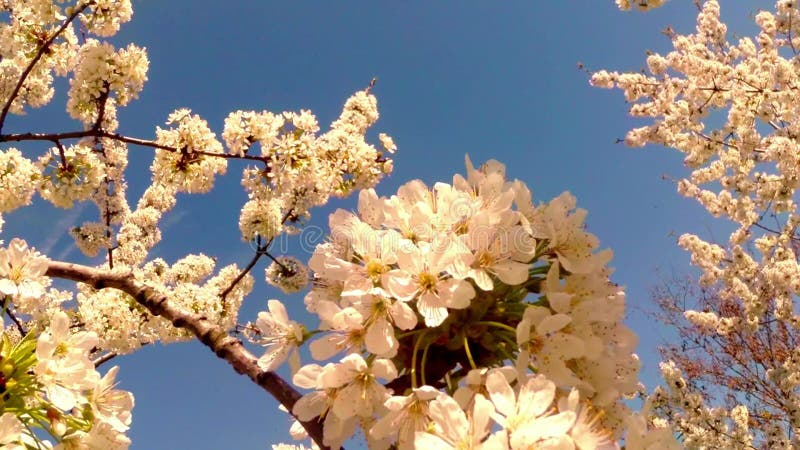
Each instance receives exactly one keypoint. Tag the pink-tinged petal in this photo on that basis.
(8, 287)
(427, 440)
(403, 316)
(546, 427)
(370, 207)
(449, 416)
(561, 302)
(500, 393)
(390, 245)
(354, 363)
(59, 326)
(310, 406)
(336, 430)
(61, 397)
(497, 441)
(334, 376)
(523, 331)
(278, 311)
(565, 345)
(536, 396)
(10, 429)
(409, 259)
(511, 273)
(384, 368)
(503, 202)
(307, 376)
(432, 309)
(401, 286)
(347, 402)
(534, 314)
(460, 293)
(482, 410)
(294, 361)
(523, 245)
(380, 339)
(273, 357)
(482, 279)
(553, 323)
(325, 347)
(459, 266)
(560, 443)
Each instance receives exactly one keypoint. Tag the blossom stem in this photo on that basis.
(492, 323)
(411, 333)
(422, 364)
(414, 359)
(469, 353)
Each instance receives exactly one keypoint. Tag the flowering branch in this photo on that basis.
(98, 133)
(42, 50)
(214, 337)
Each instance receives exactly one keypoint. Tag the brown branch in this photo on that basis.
(17, 323)
(259, 253)
(212, 336)
(42, 50)
(104, 359)
(18, 137)
(261, 250)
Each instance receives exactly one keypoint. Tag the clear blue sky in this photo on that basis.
(492, 79)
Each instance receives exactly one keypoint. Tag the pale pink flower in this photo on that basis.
(453, 429)
(110, 405)
(280, 335)
(422, 275)
(10, 432)
(524, 416)
(407, 415)
(359, 391)
(22, 271)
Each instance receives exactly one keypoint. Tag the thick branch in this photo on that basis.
(213, 336)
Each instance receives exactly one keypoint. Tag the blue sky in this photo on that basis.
(491, 79)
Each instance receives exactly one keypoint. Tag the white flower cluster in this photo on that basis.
(50, 383)
(17, 180)
(303, 170)
(701, 426)
(417, 288)
(101, 71)
(123, 325)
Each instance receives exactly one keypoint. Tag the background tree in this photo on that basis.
(729, 366)
(729, 105)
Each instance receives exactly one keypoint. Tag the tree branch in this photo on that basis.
(213, 336)
(42, 50)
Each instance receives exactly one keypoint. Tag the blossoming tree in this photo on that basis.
(731, 107)
(458, 315)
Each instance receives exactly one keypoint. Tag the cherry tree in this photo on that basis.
(729, 104)
(458, 315)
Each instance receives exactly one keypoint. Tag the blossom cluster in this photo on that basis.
(460, 308)
(49, 382)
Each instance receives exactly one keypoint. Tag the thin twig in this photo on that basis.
(259, 253)
(104, 359)
(17, 323)
(42, 50)
(117, 137)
